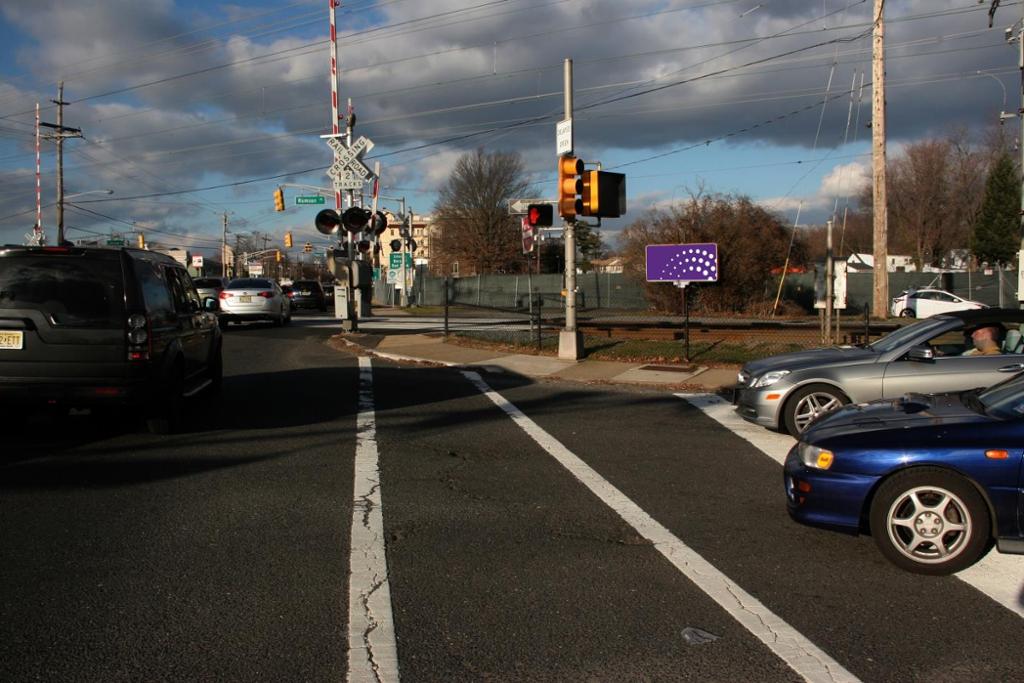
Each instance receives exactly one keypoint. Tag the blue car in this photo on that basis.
(935, 479)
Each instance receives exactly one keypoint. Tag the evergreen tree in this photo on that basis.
(997, 231)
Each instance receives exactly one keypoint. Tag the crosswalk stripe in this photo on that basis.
(372, 650)
(803, 656)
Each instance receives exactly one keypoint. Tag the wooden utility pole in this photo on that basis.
(60, 132)
(880, 298)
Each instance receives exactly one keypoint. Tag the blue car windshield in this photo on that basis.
(924, 329)
(1005, 400)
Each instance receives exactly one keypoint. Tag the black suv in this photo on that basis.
(308, 294)
(88, 327)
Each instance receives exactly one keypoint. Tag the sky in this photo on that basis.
(192, 110)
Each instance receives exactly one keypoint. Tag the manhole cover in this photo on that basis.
(669, 368)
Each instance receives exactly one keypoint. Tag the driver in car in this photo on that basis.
(986, 340)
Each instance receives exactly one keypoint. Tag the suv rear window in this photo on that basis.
(250, 283)
(75, 290)
(305, 284)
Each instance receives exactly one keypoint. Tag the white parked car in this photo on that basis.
(252, 298)
(924, 303)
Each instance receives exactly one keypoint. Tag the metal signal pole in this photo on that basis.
(570, 343)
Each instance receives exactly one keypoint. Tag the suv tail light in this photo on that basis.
(267, 295)
(140, 342)
(290, 294)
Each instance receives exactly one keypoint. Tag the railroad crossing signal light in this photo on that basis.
(396, 245)
(141, 240)
(355, 219)
(288, 240)
(379, 223)
(327, 221)
(604, 194)
(569, 186)
(279, 199)
(540, 215)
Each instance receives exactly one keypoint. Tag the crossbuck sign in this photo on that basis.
(348, 171)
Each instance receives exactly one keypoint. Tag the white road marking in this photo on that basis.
(1000, 577)
(372, 651)
(787, 643)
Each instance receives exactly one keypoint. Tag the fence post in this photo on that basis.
(867, 322)
(540, 338)
(445, 306)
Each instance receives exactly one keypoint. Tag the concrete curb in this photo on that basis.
(396, 356)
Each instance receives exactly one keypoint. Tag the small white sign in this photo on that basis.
(563, 137)
(197, 261)
(256, 269)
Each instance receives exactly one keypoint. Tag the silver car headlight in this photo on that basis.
(812, 456)
(769, 378)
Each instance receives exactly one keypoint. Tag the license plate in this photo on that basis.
(245, 299)
(304, 293)
(12, 339)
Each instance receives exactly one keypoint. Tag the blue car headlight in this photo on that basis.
(814, 457)
(769, 378)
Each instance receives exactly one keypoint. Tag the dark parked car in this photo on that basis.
(308, 294)
(788, 391)
(210, 286)
(934, 479)
(88, 327)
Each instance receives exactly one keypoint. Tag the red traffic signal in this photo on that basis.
(540, 215)
(327, 221)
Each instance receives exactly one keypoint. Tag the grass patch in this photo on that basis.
(621, 350)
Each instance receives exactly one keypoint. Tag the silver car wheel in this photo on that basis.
(811, 406)
(929, 524)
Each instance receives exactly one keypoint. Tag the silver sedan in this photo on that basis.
(254, 299)
(787, 392)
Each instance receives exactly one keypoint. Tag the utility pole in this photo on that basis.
(828, 284)
(570, 342)
(406, 233)
(880, 299)
(224, 247)
(60, 132)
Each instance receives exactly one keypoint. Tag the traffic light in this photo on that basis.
(277, 255)
(141, 240)
(288, 240)
(279, 199)
(327, 221)
(355, 218)
(569, 185)
(604, 194)
(396, 245)
(379, 223)
(540, 215)
(308, 247)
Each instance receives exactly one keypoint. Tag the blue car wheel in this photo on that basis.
(930, 521)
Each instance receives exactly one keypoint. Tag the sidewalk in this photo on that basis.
(431, 347)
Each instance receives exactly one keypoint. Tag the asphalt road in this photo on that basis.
(223, 553)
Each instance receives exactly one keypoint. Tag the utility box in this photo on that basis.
(341, 303)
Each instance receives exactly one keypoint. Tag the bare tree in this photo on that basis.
(474, 226)
(752, 242)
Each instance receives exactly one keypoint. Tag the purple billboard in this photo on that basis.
(682, 262)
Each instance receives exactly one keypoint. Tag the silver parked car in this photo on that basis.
(251, 298)
(787, 392)
(210, 286)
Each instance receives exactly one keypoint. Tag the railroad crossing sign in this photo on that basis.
(348, 172)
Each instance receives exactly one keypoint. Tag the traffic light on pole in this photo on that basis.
(288, 240)
(277, 255)
(569, 186)
(279, 199)
(604, 194)
(141, 239)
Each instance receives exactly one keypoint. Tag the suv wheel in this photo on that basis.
(166, 414)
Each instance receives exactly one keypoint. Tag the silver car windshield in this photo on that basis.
(898, 338)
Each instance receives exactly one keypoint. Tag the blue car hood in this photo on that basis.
(906, 412)
(799, 360)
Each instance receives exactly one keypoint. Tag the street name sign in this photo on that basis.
(315, 199)
(682, 262)
(563, 137)
(115, 242)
